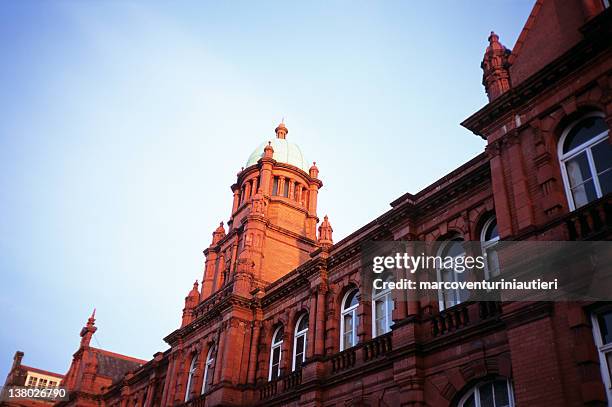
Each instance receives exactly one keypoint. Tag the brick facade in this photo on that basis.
(270, 266)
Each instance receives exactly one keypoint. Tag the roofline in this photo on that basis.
(41, 371)
(119, 356)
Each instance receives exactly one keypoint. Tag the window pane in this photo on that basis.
(278, 336)
(578, 170)
(348, 322)
(348, 340)
(454, 249)
(276, 356)
(583, 132)
(469, 402)
(605, 326)
(609, 360)
(486, 395)
(299, 345)
(583, 194)
(492, 231)
(501, 393)
(390, 306)
(351, 300)
(303, 323)
(605, 181)
(602, 155)
(492, 262)
(380, 309)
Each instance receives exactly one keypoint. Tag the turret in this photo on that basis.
(218, 234)
(273, 223)
(495, 67)
(281, 131)
(191, 301)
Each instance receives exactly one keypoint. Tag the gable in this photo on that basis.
(551, 29)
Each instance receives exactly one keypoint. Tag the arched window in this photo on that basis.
(489, 237)
(299, 342)
(492, 393)
(382, 310)
(209, 369)
(586, 160)
(276, 353)
(190, 382)
(348, 320)
(449, 252)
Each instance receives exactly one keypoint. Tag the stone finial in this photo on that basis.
(268, 150)
(314, 170)
(89, 329)
(325, 233)
(218, 234)
(495, 67)
(281, 131)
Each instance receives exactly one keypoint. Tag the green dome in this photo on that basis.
(284, 152)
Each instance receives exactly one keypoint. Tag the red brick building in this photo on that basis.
(279, 318)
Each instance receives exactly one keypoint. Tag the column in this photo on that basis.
(281, 186)
(219, 362)
(312, 331)
(319, 349)
(247, 190)
(236, 200)
(291, 189)
(254, 354)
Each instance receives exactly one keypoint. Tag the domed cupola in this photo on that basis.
(273, 224)
(284, 151)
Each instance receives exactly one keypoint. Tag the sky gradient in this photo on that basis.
(124, 124)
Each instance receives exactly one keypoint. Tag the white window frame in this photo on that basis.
(210, 359)
(476, 392)
(602, 350)
(385, 297)
(298, 335)
(585, 147)
(457, 295)
(192, 369)
(274, 345)
(352, 310)
(488, 244)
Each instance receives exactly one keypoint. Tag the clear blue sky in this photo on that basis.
(124, 123)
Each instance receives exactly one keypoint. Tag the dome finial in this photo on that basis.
(280, 130)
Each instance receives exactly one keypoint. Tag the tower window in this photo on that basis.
(586, 160)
